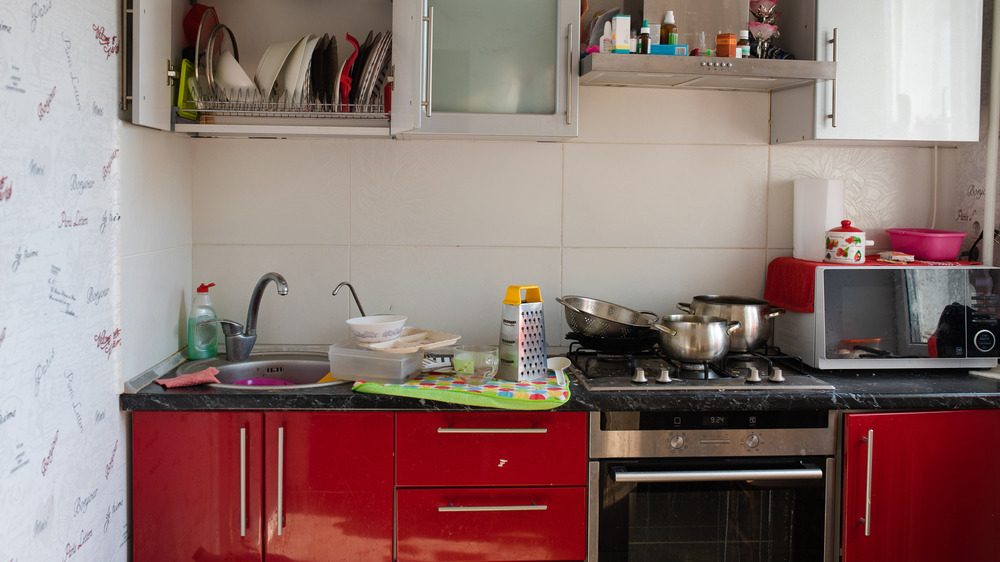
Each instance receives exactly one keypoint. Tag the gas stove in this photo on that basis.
(638, 365)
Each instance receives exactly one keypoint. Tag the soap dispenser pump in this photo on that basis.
(203, 341)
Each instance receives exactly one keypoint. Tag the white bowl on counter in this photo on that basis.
(377, 328)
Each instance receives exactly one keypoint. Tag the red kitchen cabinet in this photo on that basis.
(927, 482)
(326, 473)
(491, 486)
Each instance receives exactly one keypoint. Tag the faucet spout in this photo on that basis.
(250, 328)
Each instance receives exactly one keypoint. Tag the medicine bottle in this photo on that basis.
(644, 41)
(668, 31)
(743, 45)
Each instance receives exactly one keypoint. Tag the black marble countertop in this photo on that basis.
(853, 390)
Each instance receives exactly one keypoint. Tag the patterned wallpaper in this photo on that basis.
(63, 445)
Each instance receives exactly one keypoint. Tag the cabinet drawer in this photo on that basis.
(491, 449)
(492, 524)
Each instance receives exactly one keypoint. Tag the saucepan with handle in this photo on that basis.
(754, 315)
(693, 338)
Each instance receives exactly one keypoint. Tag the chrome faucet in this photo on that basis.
(240, 338)
(353, 294)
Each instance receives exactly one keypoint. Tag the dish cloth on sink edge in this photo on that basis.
(204, 376)
(542, 394)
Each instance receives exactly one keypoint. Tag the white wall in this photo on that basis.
(63, 440)
(665, 195)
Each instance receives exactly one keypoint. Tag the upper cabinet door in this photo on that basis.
(477, 67)
(906, 71)
(153, 56)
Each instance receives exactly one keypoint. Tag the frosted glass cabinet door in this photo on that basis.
(493, 68)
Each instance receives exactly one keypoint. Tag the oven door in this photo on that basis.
(709, 510)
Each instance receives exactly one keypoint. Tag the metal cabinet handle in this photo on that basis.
(465, 508)
(243, 481)
(281, 477)
(492, 430)
(429, 18)
(833, 114)
(867, 519)
(808, 473)
(569, 75)
(124, 72)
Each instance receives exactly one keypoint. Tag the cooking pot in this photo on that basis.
(755, 317)
(602, 319)
(846, 244)
(694, 338)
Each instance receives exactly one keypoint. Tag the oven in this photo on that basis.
(712, 486)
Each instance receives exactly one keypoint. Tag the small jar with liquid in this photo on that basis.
(668, 29)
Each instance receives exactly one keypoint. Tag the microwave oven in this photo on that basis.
(895, 317)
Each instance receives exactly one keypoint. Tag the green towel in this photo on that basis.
(543, 394)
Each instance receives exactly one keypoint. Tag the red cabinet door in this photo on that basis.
(491, 449)
(333, 474)
(934, 491)
(492, 524)
(193, 474)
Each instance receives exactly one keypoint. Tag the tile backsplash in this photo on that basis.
(666, 194)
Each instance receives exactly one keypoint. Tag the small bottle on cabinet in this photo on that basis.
(668, 30)
(203, 341)
(743, 45)
(644, 41)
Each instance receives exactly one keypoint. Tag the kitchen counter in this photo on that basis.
(853, 390)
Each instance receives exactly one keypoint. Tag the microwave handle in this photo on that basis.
(808, 472)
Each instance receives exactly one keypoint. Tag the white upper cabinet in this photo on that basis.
(466, 68)
(485, 67)
(907, 70)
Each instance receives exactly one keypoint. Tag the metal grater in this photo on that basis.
(523, 354)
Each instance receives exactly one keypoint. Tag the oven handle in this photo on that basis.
(808, 472)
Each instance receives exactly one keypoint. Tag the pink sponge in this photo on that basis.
(191, 379)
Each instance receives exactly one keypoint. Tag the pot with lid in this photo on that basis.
(846, 244)
(693, 338)
(754, 315)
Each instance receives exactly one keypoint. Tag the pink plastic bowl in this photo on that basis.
(926, 243)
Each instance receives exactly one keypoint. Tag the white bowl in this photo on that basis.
(377, 328)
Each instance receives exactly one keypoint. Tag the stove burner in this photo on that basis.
(618, 346)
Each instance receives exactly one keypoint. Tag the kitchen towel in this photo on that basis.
(791, 283)
(204, 376)
(544, 394)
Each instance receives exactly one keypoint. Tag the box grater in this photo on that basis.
(522, 335)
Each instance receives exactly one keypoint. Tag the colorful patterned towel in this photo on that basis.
(528, 395)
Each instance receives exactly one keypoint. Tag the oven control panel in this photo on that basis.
(731, 443)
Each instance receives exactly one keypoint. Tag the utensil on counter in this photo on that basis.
(754, 315)
(597, 318)
(558, 365)
(522, 335)
(692, 338)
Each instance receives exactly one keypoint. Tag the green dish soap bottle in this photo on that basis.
(203, 341)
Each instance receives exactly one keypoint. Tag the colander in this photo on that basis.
(602, 319)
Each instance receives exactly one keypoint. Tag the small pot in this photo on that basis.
(846, 244)
(694, 338)
(754, 315)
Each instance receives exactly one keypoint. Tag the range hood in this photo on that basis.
(666, 71)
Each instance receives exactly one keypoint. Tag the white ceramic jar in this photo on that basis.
(845, 244)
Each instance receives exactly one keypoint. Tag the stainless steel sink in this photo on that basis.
(267, 371)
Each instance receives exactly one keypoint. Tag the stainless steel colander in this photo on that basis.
(602, 319)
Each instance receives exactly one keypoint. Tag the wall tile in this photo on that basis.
(155, 190)
(665, 116)
(455, 290)
(430, 192)
(657, 279)
(308, 314)
(156, 297)
(271, 191)
(665, 196)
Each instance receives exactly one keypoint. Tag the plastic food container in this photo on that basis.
(926, 243)
(350, 363)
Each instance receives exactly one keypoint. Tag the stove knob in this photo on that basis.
(664, 376)
(776, 376)
(754, 376)
(751, 441)
(640, 376)
(677, 441)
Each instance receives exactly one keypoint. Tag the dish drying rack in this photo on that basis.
(217, 103)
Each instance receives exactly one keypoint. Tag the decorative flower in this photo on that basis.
(762, 6)
(762, 31)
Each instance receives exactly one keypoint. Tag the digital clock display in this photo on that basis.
(715, 421)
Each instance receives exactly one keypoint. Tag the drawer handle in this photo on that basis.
(465, 508)
(492, 430)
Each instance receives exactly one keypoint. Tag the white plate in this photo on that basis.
(413, 340)
(270, 65)
(290, 70)
(300, 81)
